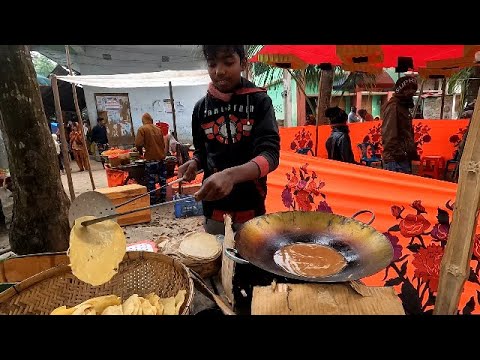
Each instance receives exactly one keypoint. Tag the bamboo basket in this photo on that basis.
(205, 267)
(139, 273)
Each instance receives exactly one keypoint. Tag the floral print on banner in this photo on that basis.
(302, 191)
(374, 137)
(302, 140)
(456, 139)
(421, 136)
(423, 255)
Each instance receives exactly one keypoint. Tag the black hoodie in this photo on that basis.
(228, 134)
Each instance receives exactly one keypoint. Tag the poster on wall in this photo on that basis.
(115, 109)
(167, 106)
(432, 106)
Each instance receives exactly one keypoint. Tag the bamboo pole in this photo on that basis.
(79, 116)
(63, 139)
(417, 104)
(455, 266)
(173, 111)
(444, 86)
(302, 89)
(318, 112)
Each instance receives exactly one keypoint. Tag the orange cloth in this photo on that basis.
(151, 138)
(433, 137)
(415, 213)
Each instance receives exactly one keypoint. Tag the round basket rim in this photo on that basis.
(131, 255)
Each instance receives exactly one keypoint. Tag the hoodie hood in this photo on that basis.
(246, 88)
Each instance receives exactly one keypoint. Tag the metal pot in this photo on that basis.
(365, 250)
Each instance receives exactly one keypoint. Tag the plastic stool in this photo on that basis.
(431, 166)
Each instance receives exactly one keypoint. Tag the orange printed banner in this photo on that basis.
(414, 213)
(433, 137)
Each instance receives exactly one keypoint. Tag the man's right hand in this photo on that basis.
(188, 170)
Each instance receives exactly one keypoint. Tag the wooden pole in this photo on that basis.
(417, 104)
(63, 139)
(318, 112)
(173, 111)
(79, 116)
(444, 86)
(455, 266)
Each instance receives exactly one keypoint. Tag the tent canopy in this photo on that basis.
(317, 54)
(142, 80)
(66, 98)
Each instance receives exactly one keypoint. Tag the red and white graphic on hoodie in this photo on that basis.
(218, 129)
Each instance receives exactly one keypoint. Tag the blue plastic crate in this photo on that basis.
(188, 207)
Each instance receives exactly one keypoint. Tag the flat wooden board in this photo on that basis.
(120, 194)
(228, 266)
(324, 299)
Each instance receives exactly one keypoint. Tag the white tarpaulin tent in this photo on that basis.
(142, 80)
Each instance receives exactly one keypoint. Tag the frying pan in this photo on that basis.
(365, 250)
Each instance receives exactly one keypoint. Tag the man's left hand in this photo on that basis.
(216, 187)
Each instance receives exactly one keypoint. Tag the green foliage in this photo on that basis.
(43, 65)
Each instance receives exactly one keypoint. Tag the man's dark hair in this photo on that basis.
(210, 51)
(336, 115)
(99, 119)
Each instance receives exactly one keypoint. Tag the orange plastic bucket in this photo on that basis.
(164, 127)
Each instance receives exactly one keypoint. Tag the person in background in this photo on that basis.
(151, 144)
(310, 120)
(59, 154)
(339, 145)
(170, 144)
(99, 137)
(76, 143)
(365, 115)
(399, 148)
(352, 116)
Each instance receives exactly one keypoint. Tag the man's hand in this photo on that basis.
(216, 187)
(188, 170)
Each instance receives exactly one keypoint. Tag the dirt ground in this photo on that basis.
(163, 224)
(164, 229)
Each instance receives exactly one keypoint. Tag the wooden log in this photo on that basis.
(417, 104)
(174, 116)
(455, 266)
(444, 87)
(79, 116)
(228, 266)
(63, 139)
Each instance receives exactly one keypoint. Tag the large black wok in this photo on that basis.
(365, 250)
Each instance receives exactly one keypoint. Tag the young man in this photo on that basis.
(399, 148)
(236, 141)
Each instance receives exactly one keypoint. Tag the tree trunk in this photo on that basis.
(40, 210)
(325, 88)
(287, 99)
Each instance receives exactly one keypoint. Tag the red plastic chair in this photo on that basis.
(431, 166)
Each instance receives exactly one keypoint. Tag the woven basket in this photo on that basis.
(205, 267)
(139, 273)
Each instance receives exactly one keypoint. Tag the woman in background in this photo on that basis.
(76, 142)
(339, 146)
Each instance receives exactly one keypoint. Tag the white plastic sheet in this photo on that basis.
(141, 80)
